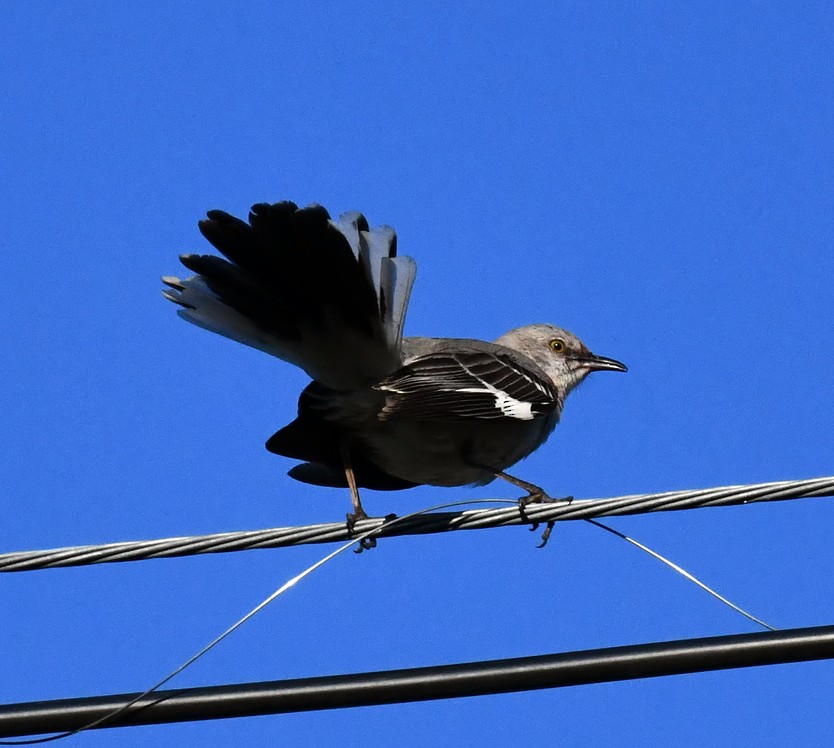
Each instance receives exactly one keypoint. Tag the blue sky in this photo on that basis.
(656, 177)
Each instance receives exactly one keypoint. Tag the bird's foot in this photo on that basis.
(535, 496)
(538, 496)
(352, 518)
(366, 543)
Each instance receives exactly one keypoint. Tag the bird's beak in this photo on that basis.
(600, 363)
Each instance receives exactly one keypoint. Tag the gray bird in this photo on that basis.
(383, 411)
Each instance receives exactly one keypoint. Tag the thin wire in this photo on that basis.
(683, 572)
(357, 540)
(415, 525)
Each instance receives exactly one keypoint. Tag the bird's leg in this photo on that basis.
(358, 512)
(535, 495)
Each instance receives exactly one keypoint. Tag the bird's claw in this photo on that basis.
(352, 518)
(546, 534)
(540, 497)
(537, 496)
(365, 544)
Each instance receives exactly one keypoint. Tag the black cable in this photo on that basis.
(426, 683)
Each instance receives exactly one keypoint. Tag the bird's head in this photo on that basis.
(563, 356)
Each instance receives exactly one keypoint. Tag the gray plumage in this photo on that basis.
(382, 411)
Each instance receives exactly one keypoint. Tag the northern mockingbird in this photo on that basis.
(383, 411)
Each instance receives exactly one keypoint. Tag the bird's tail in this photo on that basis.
(328, 296)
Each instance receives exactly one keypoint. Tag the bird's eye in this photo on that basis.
(557, 345)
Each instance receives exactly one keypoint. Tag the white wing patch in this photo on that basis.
(507, 404)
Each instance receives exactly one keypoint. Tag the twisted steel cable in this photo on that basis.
(337, 532)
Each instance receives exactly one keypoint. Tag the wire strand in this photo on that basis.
(477, 519)
(684, 573)
(113, 715)
(357, 540)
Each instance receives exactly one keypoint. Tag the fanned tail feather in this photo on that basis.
(328, 296)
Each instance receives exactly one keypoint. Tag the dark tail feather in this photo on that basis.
(367, 476)
(317, 443)
(328, 296)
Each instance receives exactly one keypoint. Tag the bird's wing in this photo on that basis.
(329, 296)
(454, 385)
